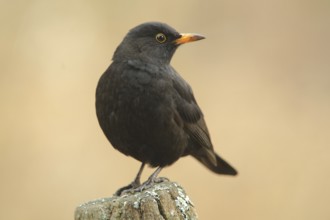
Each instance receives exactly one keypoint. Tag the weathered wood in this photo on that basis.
(163, 201)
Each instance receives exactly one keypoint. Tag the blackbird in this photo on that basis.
(147, 110)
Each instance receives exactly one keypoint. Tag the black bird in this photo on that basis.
(147, 110)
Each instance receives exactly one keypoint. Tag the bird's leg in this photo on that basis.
(135, 184)
(153, 176)
(136, 181)
(152, 179)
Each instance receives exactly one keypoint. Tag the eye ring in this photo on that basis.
(161, 38)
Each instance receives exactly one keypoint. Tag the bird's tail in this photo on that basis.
(220, 167)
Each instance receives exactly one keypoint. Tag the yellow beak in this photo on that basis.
(186, 38)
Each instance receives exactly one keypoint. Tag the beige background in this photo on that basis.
(262, 78)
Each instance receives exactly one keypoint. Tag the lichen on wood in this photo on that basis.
(165, 200)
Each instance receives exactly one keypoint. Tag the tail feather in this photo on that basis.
(221, 166)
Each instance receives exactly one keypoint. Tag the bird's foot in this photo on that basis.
(135, 186)
(127, 188)
(131, 189)
(146, 185)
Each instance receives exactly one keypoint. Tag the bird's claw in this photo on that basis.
(139, 188)
(127, 188)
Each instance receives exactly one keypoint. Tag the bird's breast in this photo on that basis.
(137, 112)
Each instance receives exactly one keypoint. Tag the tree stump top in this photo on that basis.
(163, 201)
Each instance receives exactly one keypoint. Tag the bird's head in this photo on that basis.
(152, 42)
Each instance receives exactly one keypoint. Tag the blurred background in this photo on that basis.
(262, 78)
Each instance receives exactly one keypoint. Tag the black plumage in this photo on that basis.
(147, 110)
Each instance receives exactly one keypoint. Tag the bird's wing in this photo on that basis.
(193, 119)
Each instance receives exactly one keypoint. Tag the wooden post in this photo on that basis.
(165, 200)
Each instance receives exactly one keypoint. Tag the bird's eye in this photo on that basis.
(161, 38)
